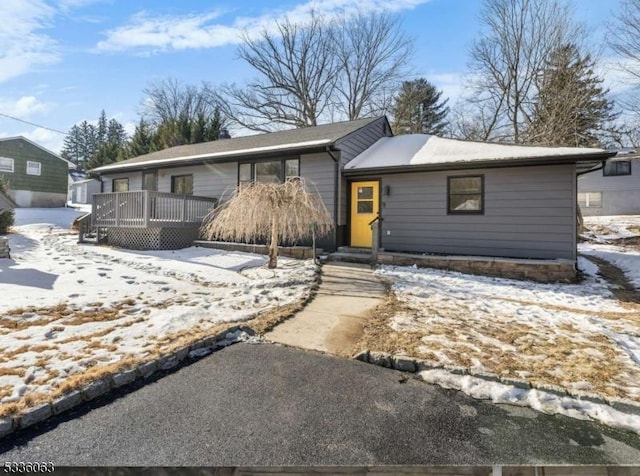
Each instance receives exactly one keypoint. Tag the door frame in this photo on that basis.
(350, 182)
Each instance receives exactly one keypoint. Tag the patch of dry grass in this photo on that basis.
(570, 355)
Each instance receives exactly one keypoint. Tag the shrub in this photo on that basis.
(6, 221)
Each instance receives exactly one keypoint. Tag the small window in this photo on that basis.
(590, 199)
(245, 175)
(269, 172)
(466, 194)
(33, 168)
(6, 164)
(291, 169)
(618, 167)
(182, 184)
(120, 185)
(150, 181)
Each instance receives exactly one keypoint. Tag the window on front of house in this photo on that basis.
(150, 181)
(182, 184)
(465, 194)
(6, 164)
(120, 185)
(590, 199)
(34, 168)
(618, 167)
(273, 171)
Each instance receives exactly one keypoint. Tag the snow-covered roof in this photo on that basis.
(424, 150)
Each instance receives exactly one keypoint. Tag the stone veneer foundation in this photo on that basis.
(543, 271)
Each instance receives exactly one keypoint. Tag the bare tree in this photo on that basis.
(624, 33)
(182, 114)
(272, 211)
(519, 37)
(297, 72)
(324, 68)
(372, 53)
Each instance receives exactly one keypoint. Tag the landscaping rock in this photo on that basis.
(182, 353)
(362, 356)
(553, 389)
(66, 402)
(198, 353)
(489, 377)
(624, 406)
(516, 382)
(406, 364)
(457, 370)
(124, 378)
(148, 368)
(6, 426)
(35, 415)
(168, 362)
(380, 358)
(94, 390)
(589, 397)
(428, 365)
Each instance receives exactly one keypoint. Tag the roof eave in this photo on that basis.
(219, 159)
(481, 164)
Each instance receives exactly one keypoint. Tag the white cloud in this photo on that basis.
(148, 33)
(22, 45)
(23, 107)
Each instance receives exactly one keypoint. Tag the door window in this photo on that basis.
(365, 200)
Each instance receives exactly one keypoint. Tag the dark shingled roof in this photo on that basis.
(293, 139)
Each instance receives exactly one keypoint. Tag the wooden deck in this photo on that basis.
(148, 209)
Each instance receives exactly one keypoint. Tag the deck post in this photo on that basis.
(147, 208)
(117, 197)
(184, 209)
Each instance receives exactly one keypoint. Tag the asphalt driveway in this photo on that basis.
(270, 405)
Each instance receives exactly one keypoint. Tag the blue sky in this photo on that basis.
(64, 61)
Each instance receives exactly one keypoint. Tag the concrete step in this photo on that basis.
(352, 250)
(350, 257)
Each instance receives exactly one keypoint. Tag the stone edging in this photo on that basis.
(408, 364)
(98, 388)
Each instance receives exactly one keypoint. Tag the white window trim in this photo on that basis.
(587, 199)
(11, 161)
(31, 163)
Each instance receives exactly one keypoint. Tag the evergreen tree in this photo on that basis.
(72, 148)
(101, 132)
(571, 108)
(142, 140)
(417, 108)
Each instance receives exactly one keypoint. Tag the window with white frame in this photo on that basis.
(6, 164)
(34, 168)
(590, 199)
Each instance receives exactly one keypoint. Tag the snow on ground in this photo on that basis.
(625, 258)
(576, 336)
(606, 228)
(68, 308)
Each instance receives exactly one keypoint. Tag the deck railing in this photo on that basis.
(148, 209)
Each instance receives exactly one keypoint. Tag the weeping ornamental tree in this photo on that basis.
(275, 212)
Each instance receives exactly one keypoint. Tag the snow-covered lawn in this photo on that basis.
(68, 310)
(578, 337)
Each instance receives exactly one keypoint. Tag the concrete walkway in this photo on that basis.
(334, 320)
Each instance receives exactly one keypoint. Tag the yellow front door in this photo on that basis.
(364, 208)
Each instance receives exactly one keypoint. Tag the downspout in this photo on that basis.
(578, 211)
(336, 195)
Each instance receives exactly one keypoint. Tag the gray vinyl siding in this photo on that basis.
(210, 180)
(529, 213)
(620, 194)
(135, 181)
(319, 171)
(351, 146)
